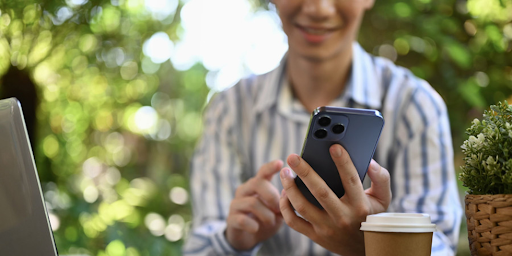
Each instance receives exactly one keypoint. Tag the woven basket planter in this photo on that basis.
(489, 219)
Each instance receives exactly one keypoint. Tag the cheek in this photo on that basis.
(286, 15)
(285, 23)
(352, 15)
(285, 8)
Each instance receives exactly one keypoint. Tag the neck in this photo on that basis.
(318, 82)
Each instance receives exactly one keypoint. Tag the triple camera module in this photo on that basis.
(325, 122)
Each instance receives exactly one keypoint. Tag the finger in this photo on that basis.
(263, 189)
(381, 184)
(243, 222)
(268, 170)
(257, 208)
(299, 202)
(352, 184)
(291, 219)
(316, 185)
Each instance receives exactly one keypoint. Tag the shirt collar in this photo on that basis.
(363, 87)
(270, 88)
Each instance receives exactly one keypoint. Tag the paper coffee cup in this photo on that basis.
(398, 234)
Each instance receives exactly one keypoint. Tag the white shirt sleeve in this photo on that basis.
(215, 174)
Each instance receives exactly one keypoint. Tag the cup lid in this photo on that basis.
(399, 222)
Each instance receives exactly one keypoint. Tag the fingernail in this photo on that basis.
(282, 193)
(286, 173)
(336, 151)
(294, 161)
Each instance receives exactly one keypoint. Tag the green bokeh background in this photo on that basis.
(110, 182)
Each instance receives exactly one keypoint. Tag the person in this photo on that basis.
(242, 207)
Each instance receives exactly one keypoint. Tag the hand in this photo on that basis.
(254, 214)
(337, 227)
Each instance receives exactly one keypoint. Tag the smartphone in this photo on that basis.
(357, 130)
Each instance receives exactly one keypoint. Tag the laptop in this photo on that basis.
(24, 225)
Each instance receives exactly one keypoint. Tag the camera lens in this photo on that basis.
(324, 121)
(321, 133)
(339, 128)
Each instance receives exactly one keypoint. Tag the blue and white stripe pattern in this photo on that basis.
(259, 120)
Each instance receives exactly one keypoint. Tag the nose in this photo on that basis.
(319, 9)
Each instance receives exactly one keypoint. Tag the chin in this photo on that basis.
(321, 52)
(316, 57)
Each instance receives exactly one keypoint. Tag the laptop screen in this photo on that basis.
(24, 225)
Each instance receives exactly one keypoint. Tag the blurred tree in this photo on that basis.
(114, 131)
(17, 83)
(462, 48)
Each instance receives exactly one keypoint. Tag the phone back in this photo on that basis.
(357, 130)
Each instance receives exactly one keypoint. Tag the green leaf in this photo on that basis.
(459, 54)
(403, 9)
(470, 92)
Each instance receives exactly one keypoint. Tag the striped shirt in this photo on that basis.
(259, 120)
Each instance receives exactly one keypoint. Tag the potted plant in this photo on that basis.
(487, 173)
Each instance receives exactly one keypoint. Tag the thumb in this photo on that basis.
(381, 184)
(268, 170)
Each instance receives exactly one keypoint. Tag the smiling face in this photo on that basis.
(321, 29)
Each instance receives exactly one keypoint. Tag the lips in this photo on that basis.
(316, 35)
(315, 31)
